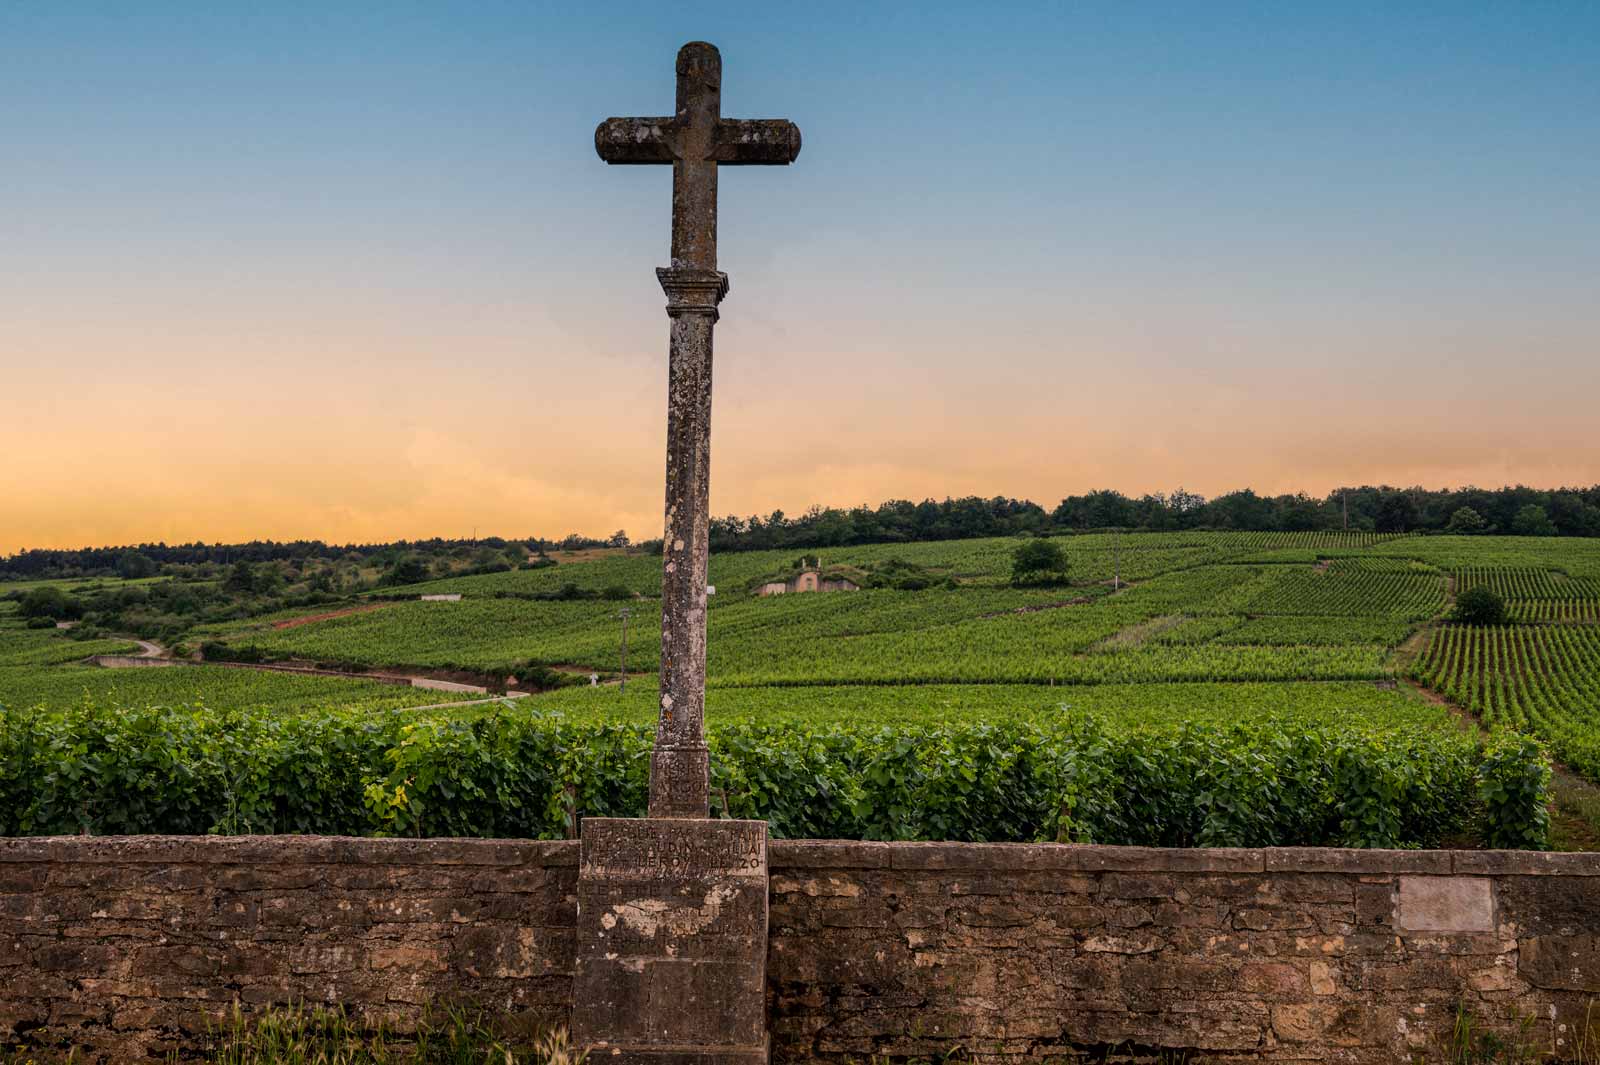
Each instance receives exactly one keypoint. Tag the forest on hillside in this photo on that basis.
(1511, 511)
(1517, 511)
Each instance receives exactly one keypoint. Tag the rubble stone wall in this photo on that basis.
(130, 947)
(1237, 955)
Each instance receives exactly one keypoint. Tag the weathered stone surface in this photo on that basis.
(827, 854)
(1550, 905)
(1567, 963)
(1023, 856)
(114, 852)
(1010, 952)
(1042, 951)
(132, 947)
(672, 940)
(1526, 863)
(1338, 860)
(695, 141)
(1446, 904)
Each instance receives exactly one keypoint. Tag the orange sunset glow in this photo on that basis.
(351, 294)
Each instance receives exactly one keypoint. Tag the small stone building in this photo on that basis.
(809, 578)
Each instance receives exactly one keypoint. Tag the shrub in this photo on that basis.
(1513, 784)
(412, 569)
(217, 651)
(521, 773)
(50, 602)
(540, 677)
(1480, 606)
(1039, 564)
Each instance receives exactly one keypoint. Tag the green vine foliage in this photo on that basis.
(1513, 786)
(520, 773)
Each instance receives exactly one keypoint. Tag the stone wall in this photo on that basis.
(125, 946)
(1238, 955)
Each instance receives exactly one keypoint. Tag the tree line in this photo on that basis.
(154, 559)
(1518, 510)
(1515, 510)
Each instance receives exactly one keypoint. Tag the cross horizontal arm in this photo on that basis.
(755, 142)
(635, 140)
(736, 142)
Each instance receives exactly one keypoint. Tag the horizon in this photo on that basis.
(637, 541)
(356, 275)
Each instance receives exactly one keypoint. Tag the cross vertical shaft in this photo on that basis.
(694, 141)
(680, 763)
(694, 172)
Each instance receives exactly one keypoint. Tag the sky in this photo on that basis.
(352, 271)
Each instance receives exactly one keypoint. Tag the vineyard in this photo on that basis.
(1539, 679)
(217, 687)
(1314, 778)
(1539, 674)
(1267, 648)
(1534, 584)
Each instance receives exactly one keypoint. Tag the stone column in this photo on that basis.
(679, 765)
(672, 942)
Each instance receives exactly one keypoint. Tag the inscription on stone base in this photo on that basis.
(672, 941)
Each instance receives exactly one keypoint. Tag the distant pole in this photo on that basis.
(1344, 504)
(624, 614)
(1116, 561)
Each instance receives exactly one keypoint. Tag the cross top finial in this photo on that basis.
(699, 61)
(695, 141)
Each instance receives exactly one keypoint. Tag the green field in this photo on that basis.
(77, 584)
(1288, 635)
(218, 687)
(978, 632)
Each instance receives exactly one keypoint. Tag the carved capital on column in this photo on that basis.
(692, 291)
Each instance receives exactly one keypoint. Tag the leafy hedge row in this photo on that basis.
(519, 773)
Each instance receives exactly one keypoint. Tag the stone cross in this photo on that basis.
(695, 141)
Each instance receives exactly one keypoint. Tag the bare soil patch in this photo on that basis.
(1080, 601)
(1134, 635)
(589, 554)
(290, 623)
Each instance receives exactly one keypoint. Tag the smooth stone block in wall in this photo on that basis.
(672, 941)
(1446, 904)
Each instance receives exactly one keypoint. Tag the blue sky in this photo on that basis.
(1028, 249)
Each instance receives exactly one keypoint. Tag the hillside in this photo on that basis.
(1154, 634)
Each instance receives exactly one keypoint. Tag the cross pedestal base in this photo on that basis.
(672, 942)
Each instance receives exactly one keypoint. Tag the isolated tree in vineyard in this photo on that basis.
(1039, 564)
(1480, 606)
